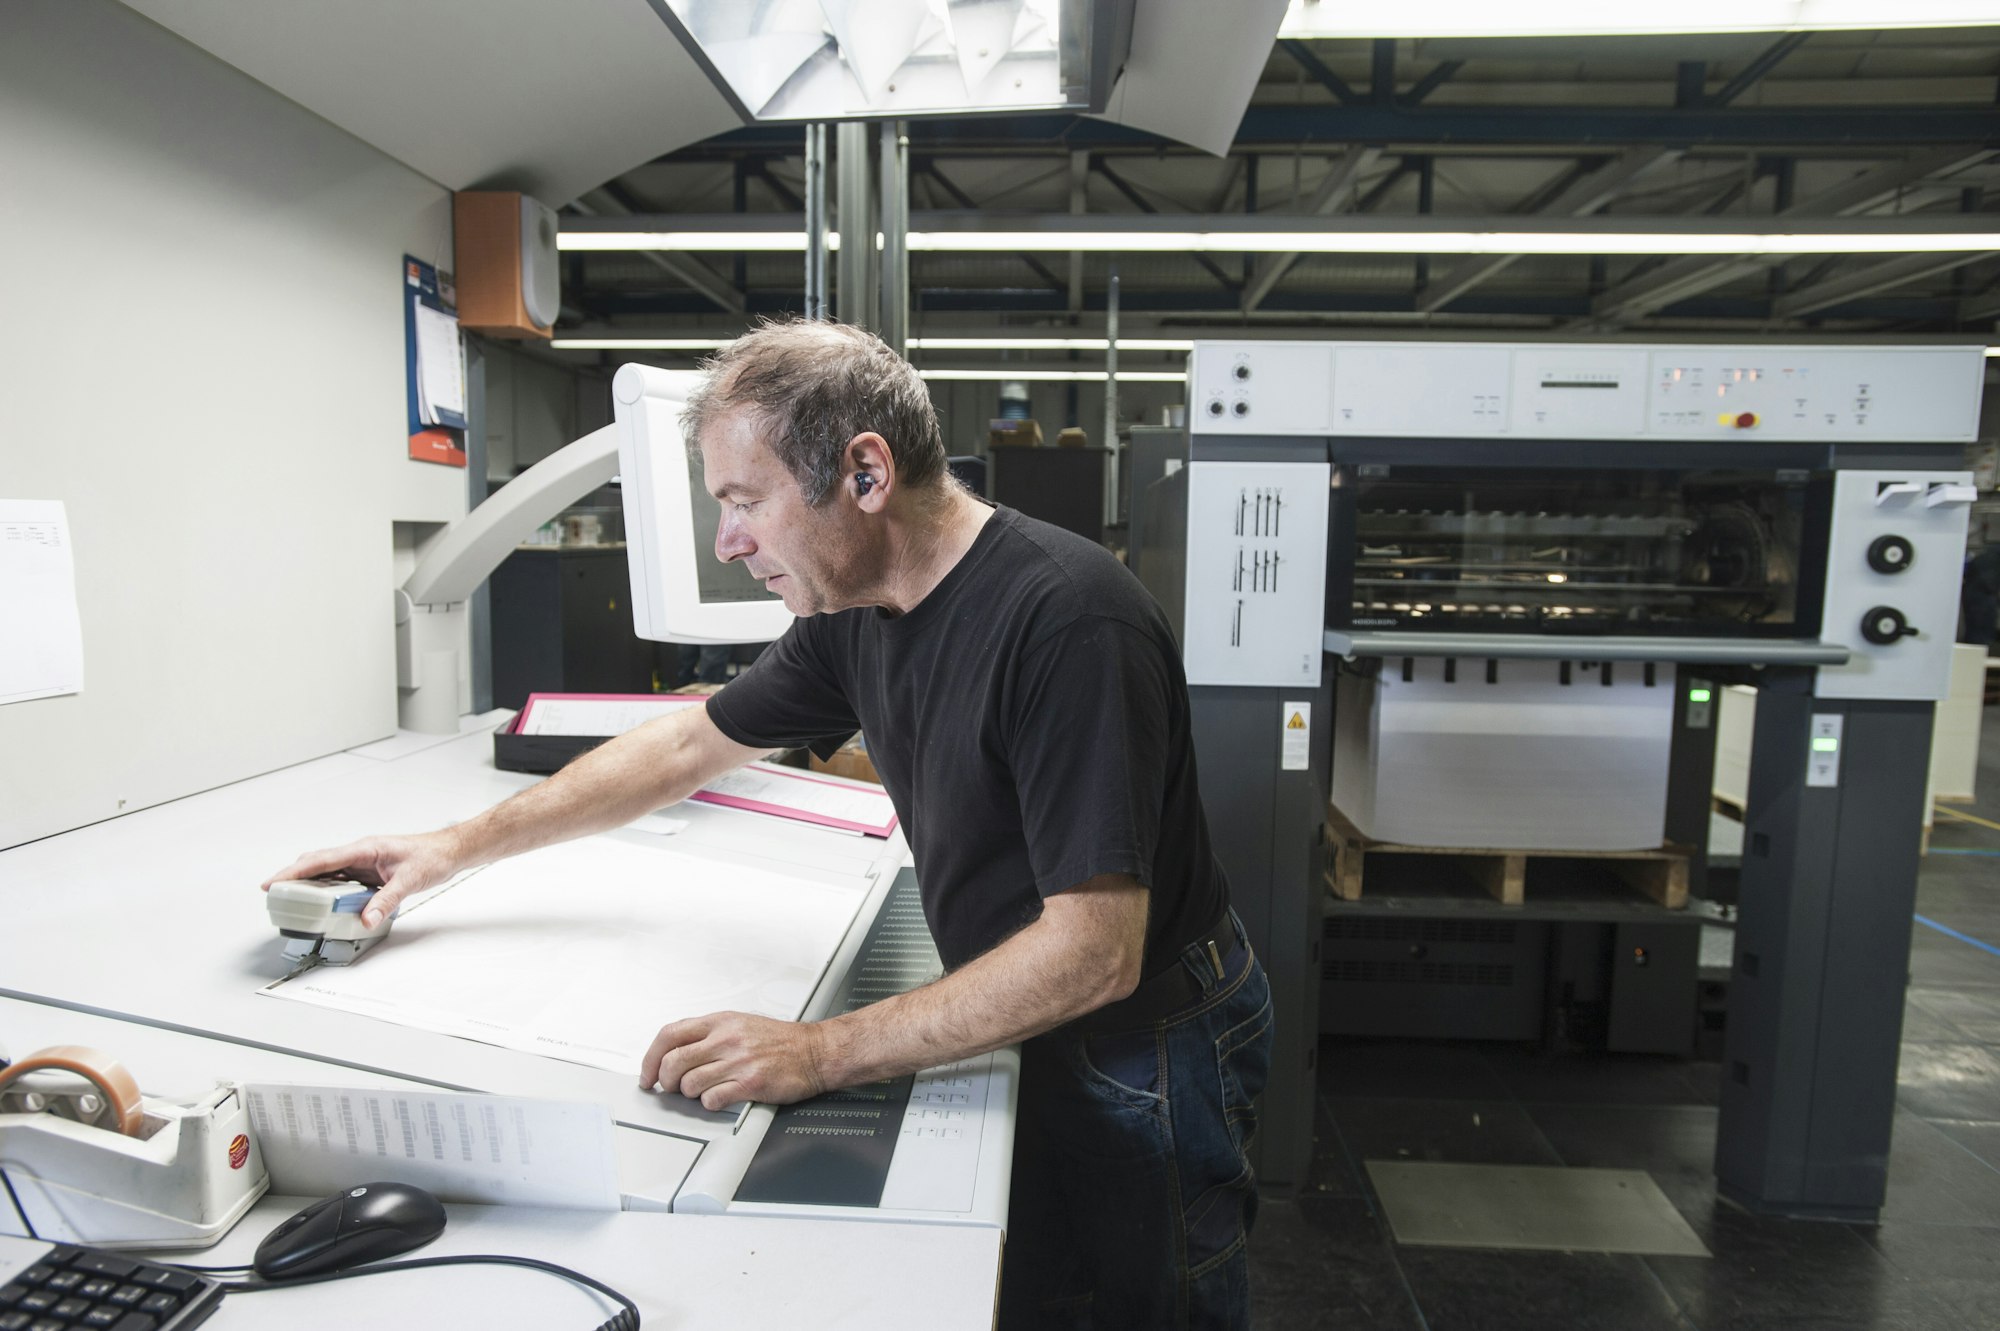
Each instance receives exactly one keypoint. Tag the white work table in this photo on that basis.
(146, 936)
(156, 916)
(683, 1271)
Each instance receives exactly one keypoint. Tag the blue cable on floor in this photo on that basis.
(1963, 938)
(1961, 850)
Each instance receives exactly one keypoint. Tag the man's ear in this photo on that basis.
(871, 471)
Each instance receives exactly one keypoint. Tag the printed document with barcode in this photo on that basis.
(494, 1149)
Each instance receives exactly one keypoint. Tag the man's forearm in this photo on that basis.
(1033, 982)
(646, 768)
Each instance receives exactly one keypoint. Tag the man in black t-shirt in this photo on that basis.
(1026, 709)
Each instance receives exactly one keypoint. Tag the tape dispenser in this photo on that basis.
(89, 1159)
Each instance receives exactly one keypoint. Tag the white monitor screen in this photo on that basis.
(680, 591)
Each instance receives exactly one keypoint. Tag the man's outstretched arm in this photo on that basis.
(1085, 951)
(659, 763)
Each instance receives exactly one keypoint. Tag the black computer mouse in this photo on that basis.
(359, 1224)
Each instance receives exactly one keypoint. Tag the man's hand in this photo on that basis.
(728, 1057)
(401, 866)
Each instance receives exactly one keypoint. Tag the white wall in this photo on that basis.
(203, 357)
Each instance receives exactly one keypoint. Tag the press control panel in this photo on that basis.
(1572, 391)
(1892, 578)
(1256, 572)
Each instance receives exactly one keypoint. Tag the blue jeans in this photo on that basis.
(1132, 1196)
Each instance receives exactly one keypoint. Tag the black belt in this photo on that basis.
(1201, 968)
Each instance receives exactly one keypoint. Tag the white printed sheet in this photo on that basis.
(583, 951)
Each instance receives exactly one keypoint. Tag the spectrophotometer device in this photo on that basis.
(320, 919)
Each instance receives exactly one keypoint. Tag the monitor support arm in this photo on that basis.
(430, 606)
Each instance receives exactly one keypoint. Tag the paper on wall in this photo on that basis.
(440, 365)
(41, 633)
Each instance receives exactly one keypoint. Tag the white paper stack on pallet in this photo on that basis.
(1521, 763)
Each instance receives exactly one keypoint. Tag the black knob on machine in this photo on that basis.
(1884, 625)
(1891, 554)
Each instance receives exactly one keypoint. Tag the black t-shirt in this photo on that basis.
(1029, 718)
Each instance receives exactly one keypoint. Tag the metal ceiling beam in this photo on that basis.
(1441, 73)
(1040, 269)
(1334, 195)
(1580, 199)
(1867, 281)
(689, 272)
(1324, 76)
(1589, 128)
(1757, 69)
(1681, 278)
(1139, 201)
(1976, 309)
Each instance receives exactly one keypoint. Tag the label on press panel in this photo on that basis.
(1823, 756)
(1296, 741)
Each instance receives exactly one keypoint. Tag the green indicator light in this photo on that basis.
(1699, 695)
(1826, 744)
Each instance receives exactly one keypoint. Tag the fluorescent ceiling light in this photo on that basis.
(1059, 376)
(1993, 351)
(1048, 344)
(640, 343)
(1337, 241)
(1454, 242)
(1590, 18)
(727, 241)
(789, 60)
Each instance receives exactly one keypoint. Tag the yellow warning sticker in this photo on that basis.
(1294, 748)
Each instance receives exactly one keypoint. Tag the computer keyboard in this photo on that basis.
(61, 1287)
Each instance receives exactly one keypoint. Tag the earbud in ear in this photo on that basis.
(863, 482)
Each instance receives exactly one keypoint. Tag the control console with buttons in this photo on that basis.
(1892, 575)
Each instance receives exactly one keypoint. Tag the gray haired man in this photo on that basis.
(1025, 706)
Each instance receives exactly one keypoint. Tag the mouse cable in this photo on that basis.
(628, 1320)
(19, 1209)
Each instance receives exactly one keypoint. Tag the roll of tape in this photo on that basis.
(122, 1111)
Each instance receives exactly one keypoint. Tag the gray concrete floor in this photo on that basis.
(1326, 1258)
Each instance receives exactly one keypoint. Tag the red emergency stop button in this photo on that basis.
(1746, 421)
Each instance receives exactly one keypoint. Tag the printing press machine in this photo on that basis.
(1480, 595)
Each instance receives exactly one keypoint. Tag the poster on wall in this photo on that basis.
(433, 365)
(41, 634)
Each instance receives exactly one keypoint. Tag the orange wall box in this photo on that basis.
(505, 251)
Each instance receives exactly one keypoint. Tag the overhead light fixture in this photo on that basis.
(640, 343)
(1059, 376)
(949, 233)
(779, 60)
(1455, 242)
(1048, 344)
(1594, 18)
(1993, 351)
(733, 242)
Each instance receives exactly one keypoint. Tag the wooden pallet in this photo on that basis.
(1661, 874)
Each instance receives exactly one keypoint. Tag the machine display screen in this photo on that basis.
(719, 583)
(1715, 553)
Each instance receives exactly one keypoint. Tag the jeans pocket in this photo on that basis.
(1243, 1062)
(1125, 1066)
(1218, 1223)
